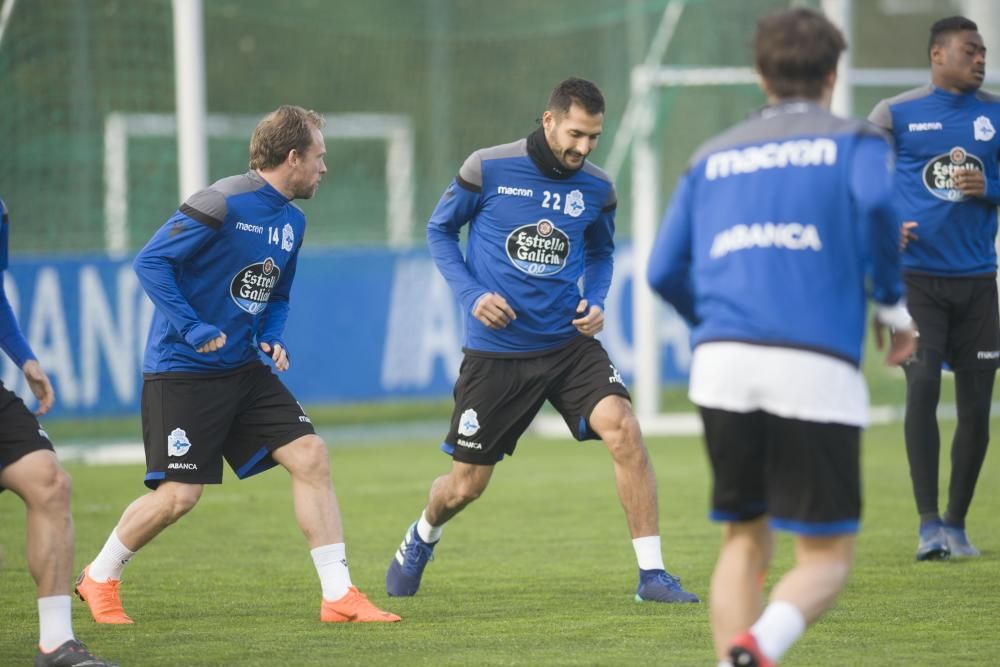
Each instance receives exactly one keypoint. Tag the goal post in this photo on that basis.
(396, 130)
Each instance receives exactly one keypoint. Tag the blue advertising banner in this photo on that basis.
(365, 325)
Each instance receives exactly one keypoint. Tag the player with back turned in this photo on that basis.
(773, 235)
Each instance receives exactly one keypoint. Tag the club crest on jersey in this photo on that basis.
(574, 204)
(468, 423)
(287, 238)
(939, 173)
(540, 249)
(251, 286)
(178, 443)
(983, 129)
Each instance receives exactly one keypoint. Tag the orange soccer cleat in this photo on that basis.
(103, 599)
(354, 608)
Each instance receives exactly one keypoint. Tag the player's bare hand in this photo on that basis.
(214, 344)
(902, 343)
(40, 386)
(590, 324)
(277, 354)
(493, 311)
(906, 234)
(970, 182)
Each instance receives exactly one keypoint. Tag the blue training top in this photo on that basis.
(534, 229)
(777, 229)
(11, 339)
(224, 262)
(936, 134)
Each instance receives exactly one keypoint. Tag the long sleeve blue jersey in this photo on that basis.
(532, 236)
(938, 133)
(777, 230)
(11, 339)
(224, 262)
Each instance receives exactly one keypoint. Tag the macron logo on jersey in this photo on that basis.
(773, 155)
(924, 127)
(253, 229)
(516, 192)
(787, 235)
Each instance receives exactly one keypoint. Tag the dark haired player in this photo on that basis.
(541, 217)
(947, 191)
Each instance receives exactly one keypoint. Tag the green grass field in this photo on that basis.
(540, 571)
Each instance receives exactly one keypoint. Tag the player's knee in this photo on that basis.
(465, 492)
(624, 439)
(312, 457)
(180, 499)
(53, 493)
(923, 373)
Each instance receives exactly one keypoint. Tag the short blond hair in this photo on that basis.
(286, 128)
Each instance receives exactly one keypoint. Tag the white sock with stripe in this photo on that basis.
(331, 565)
(112, 560)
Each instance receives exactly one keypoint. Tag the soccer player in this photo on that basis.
(29, 468)
(947, 191)
(541, 217)
(771, 238)
(219, 273)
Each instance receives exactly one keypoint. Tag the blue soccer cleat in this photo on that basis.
(661, 586)
(958, 542)
(933, 543)
(402, 579)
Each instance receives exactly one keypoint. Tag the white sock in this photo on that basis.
(426, 531)
(778, 628)
(331, 565)
(647, 552)
(55, 622)
(111, 561)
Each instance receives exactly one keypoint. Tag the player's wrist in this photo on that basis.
(896, 316)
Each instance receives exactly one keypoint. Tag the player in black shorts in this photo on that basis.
(541, 218)
(29, 468)
(778, 327)
(949, 261)
(219, 273)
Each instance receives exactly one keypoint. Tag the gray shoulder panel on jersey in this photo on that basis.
(987, 96)
(470, 175)
(593, 170)
(209, 207)
(905, 96)
(784, 126)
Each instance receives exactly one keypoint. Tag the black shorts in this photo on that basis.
(805, 475)
(957, 317)
(497, 397)
(191, 421)
(20, 432)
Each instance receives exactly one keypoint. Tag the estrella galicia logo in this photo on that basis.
(178, 443)
(251, 286)
(939, 173)
(540, 249)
